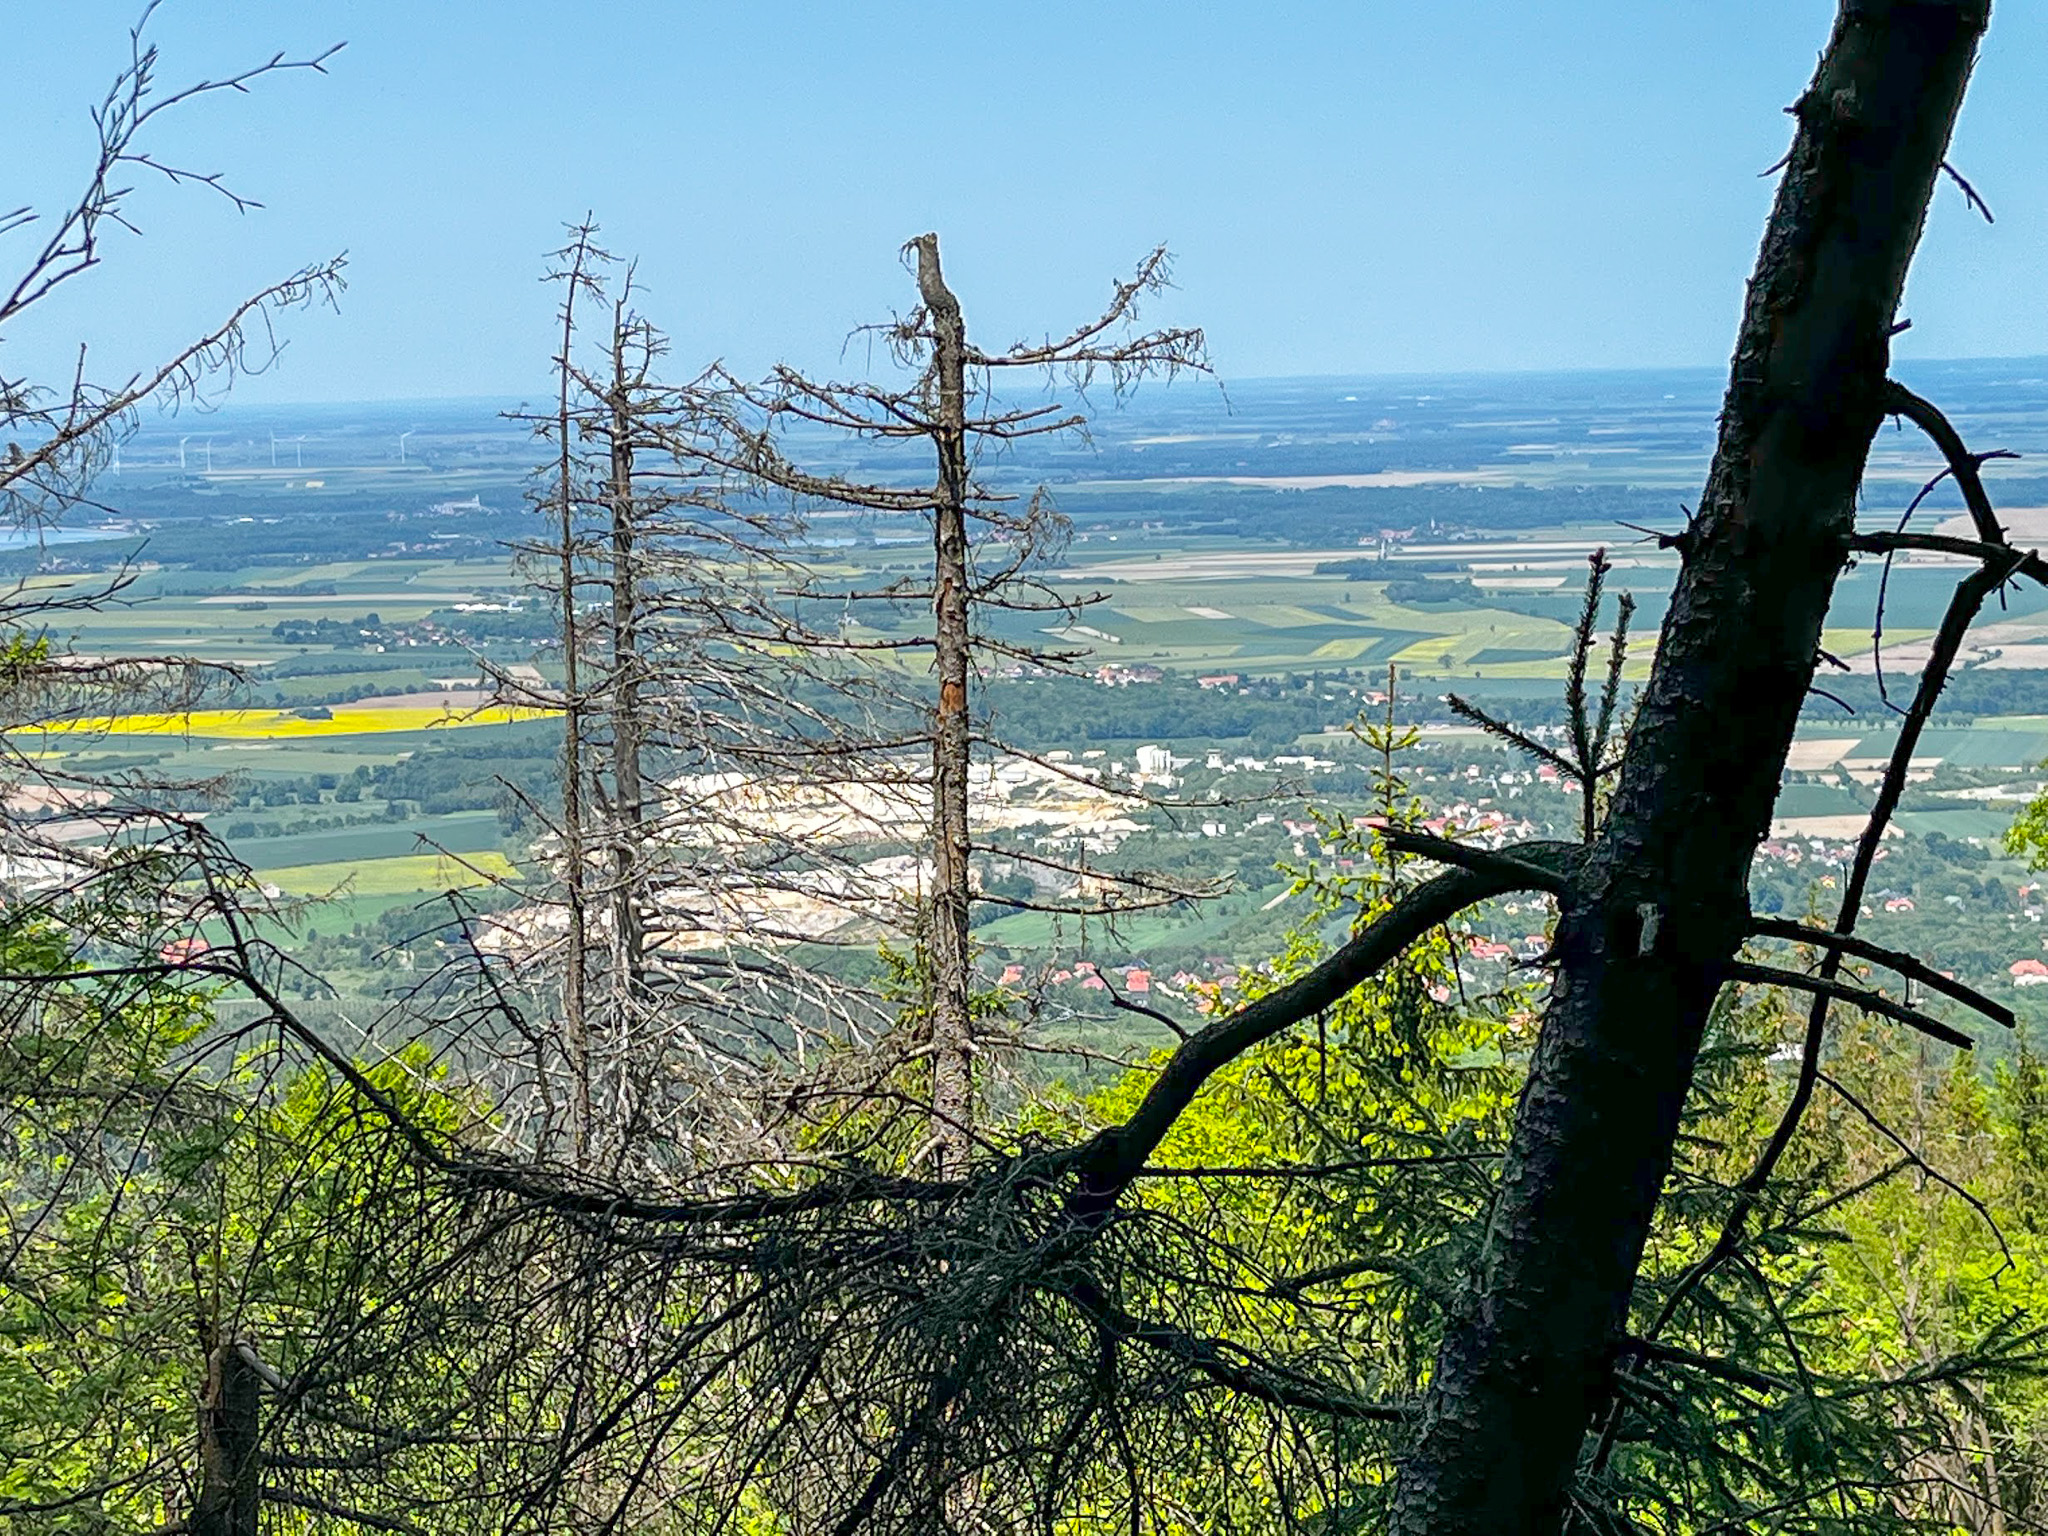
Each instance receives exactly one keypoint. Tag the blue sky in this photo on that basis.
(1371, 186)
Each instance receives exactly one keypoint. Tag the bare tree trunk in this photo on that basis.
(575, 1012)
(230, 1432)
(1649, 921)
(952, 1040)
(628, 935)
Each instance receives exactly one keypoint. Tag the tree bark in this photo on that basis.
(1661, 904)
(628, 812)
(230, 1434)
(575, 1017)
(952, 1042)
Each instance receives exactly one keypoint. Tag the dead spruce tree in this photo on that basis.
(669, 980)
(989, 554)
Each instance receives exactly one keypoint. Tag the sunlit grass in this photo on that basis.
(1840, 641)
(395, 876)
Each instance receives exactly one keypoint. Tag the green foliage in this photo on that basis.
(1315, 1206)
(22, 654)
(1865, 1360)
(109, 1171)
(166, 1187)
(2027, 837)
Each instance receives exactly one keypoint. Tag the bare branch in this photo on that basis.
(1117, 1155)
(1969, 192)
(1231, 1367)
(1877, 1124)
(1855, 997)
(1897, 960)
(1501, 864)
(1962, 463)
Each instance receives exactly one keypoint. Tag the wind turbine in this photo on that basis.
(273, 449)
(207, 444)
(401, 444)
(181, 450)
(299, 451)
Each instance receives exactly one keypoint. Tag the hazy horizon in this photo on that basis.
(498, 399)
(1349, 191)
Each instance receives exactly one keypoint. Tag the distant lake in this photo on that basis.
(26, 538)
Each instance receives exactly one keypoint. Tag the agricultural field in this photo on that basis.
(277, 725)
(393, 875)
(1250, 570)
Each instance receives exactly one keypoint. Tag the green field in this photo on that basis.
(1197, 618)
(403, 875)
(1497, 613)
(2016, 742)
(228, 616)
(1028, 933)
(463, 832)
(1187, 604)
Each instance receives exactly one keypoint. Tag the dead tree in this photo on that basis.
(952, 1029)
(629, 790)
(117, 1111)
(115, 853)
(952, 408)
(696, 712)
(577, 283)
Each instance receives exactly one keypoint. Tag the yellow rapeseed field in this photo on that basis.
(272, 724)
